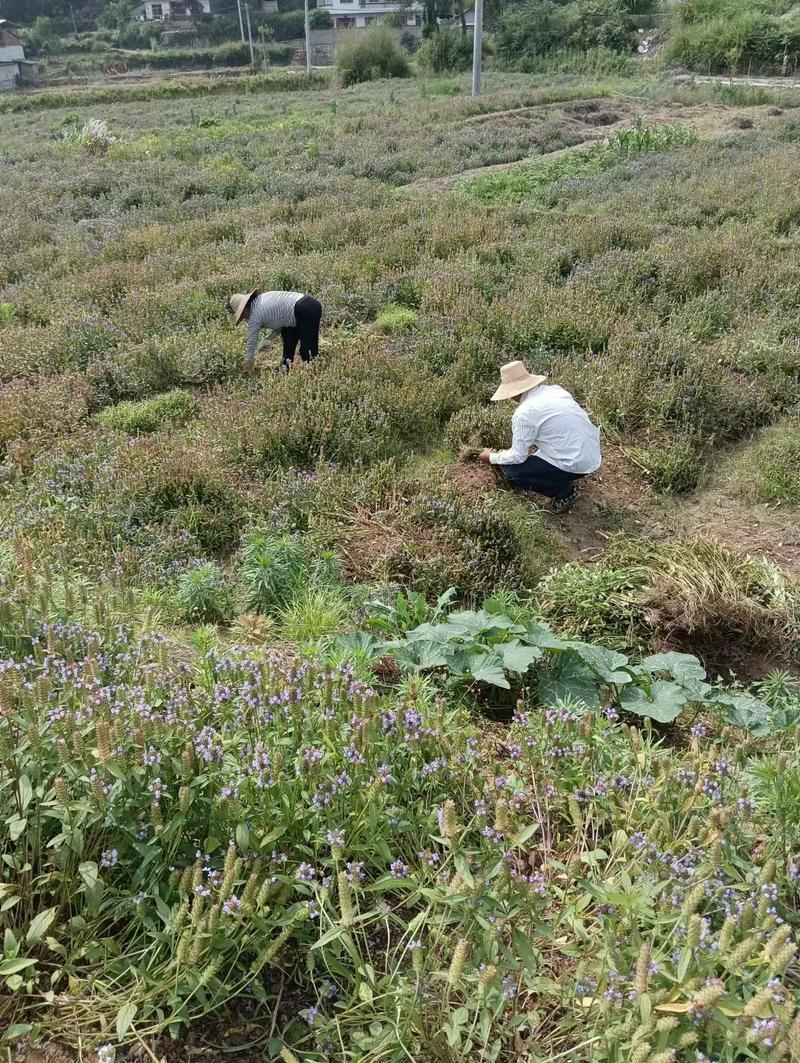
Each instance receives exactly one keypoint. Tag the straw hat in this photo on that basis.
(239, 303)
(515, 380)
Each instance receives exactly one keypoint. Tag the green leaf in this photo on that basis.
(488, 668)
(666, 703)
(745, 711)
(39, 926)
(125, 1018)
(25, 791)
(18, 963)
(19, 1029)
(519, 658)
(89, 872)
(540, 635)
(569, 679)
(16, 827)
(524, 835)
(333, 934)
(10, 943)
(463, 870)
(607, 663)
(681, 666)
(243, 837)
(525, 950)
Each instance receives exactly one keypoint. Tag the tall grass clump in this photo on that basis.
(147, 415)
(445, 52)
(768, 470)
(370, 55)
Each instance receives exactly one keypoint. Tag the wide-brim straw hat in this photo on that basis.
(239, 303)
(515, 380)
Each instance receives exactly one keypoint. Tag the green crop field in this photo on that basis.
(315, 744)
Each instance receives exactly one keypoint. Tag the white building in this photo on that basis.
(355, 14)
(164, 10)
(15, 69)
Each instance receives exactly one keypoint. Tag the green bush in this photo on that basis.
(727, 36)
(672, 466)
(271, 571)
(539, 27)
(488, 426)
(320, 19)
(366, 55)
(168, 482)
(204, 595)
(147, 415)
(768, 470)
(444, 52)
(314, 613)
(396, 318)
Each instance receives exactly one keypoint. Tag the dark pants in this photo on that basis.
(307, 315)
(536, 474)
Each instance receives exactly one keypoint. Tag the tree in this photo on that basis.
(27, 11)
(115, 14)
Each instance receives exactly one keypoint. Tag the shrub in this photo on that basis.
(768, 470)
(672, 466)
(486, 426)
(169, 482)
(723, 36)
(94, 136)
(271, 571)
(172, 407)
(360, 405)
(592, 602)
(396, 318)
(367, 55)
(314, 613)
(539, 27)
(44, 405)
(445, 51)
(320, 19)
(204, 595)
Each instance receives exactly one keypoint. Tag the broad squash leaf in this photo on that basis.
(607, 663)
(569, 679)
(666, 703)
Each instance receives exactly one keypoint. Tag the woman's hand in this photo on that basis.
(485, 457)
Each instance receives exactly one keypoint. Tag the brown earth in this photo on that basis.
(616, 499)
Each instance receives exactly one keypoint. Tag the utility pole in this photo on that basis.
(264, 61)
(249, 32)
(477, 48)
(74, 23)
(241, 23)
(307, 25)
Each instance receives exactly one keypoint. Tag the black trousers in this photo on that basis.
(307, 315)
(536, 474)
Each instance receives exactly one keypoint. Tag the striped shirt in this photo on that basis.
(549, 419)
(269, 310)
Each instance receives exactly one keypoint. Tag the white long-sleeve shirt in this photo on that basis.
(549, 419)
(270, 310)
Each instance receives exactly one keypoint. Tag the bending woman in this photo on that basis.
(295, 316)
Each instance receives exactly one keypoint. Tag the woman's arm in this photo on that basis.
(523, 437)
(253, 330)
